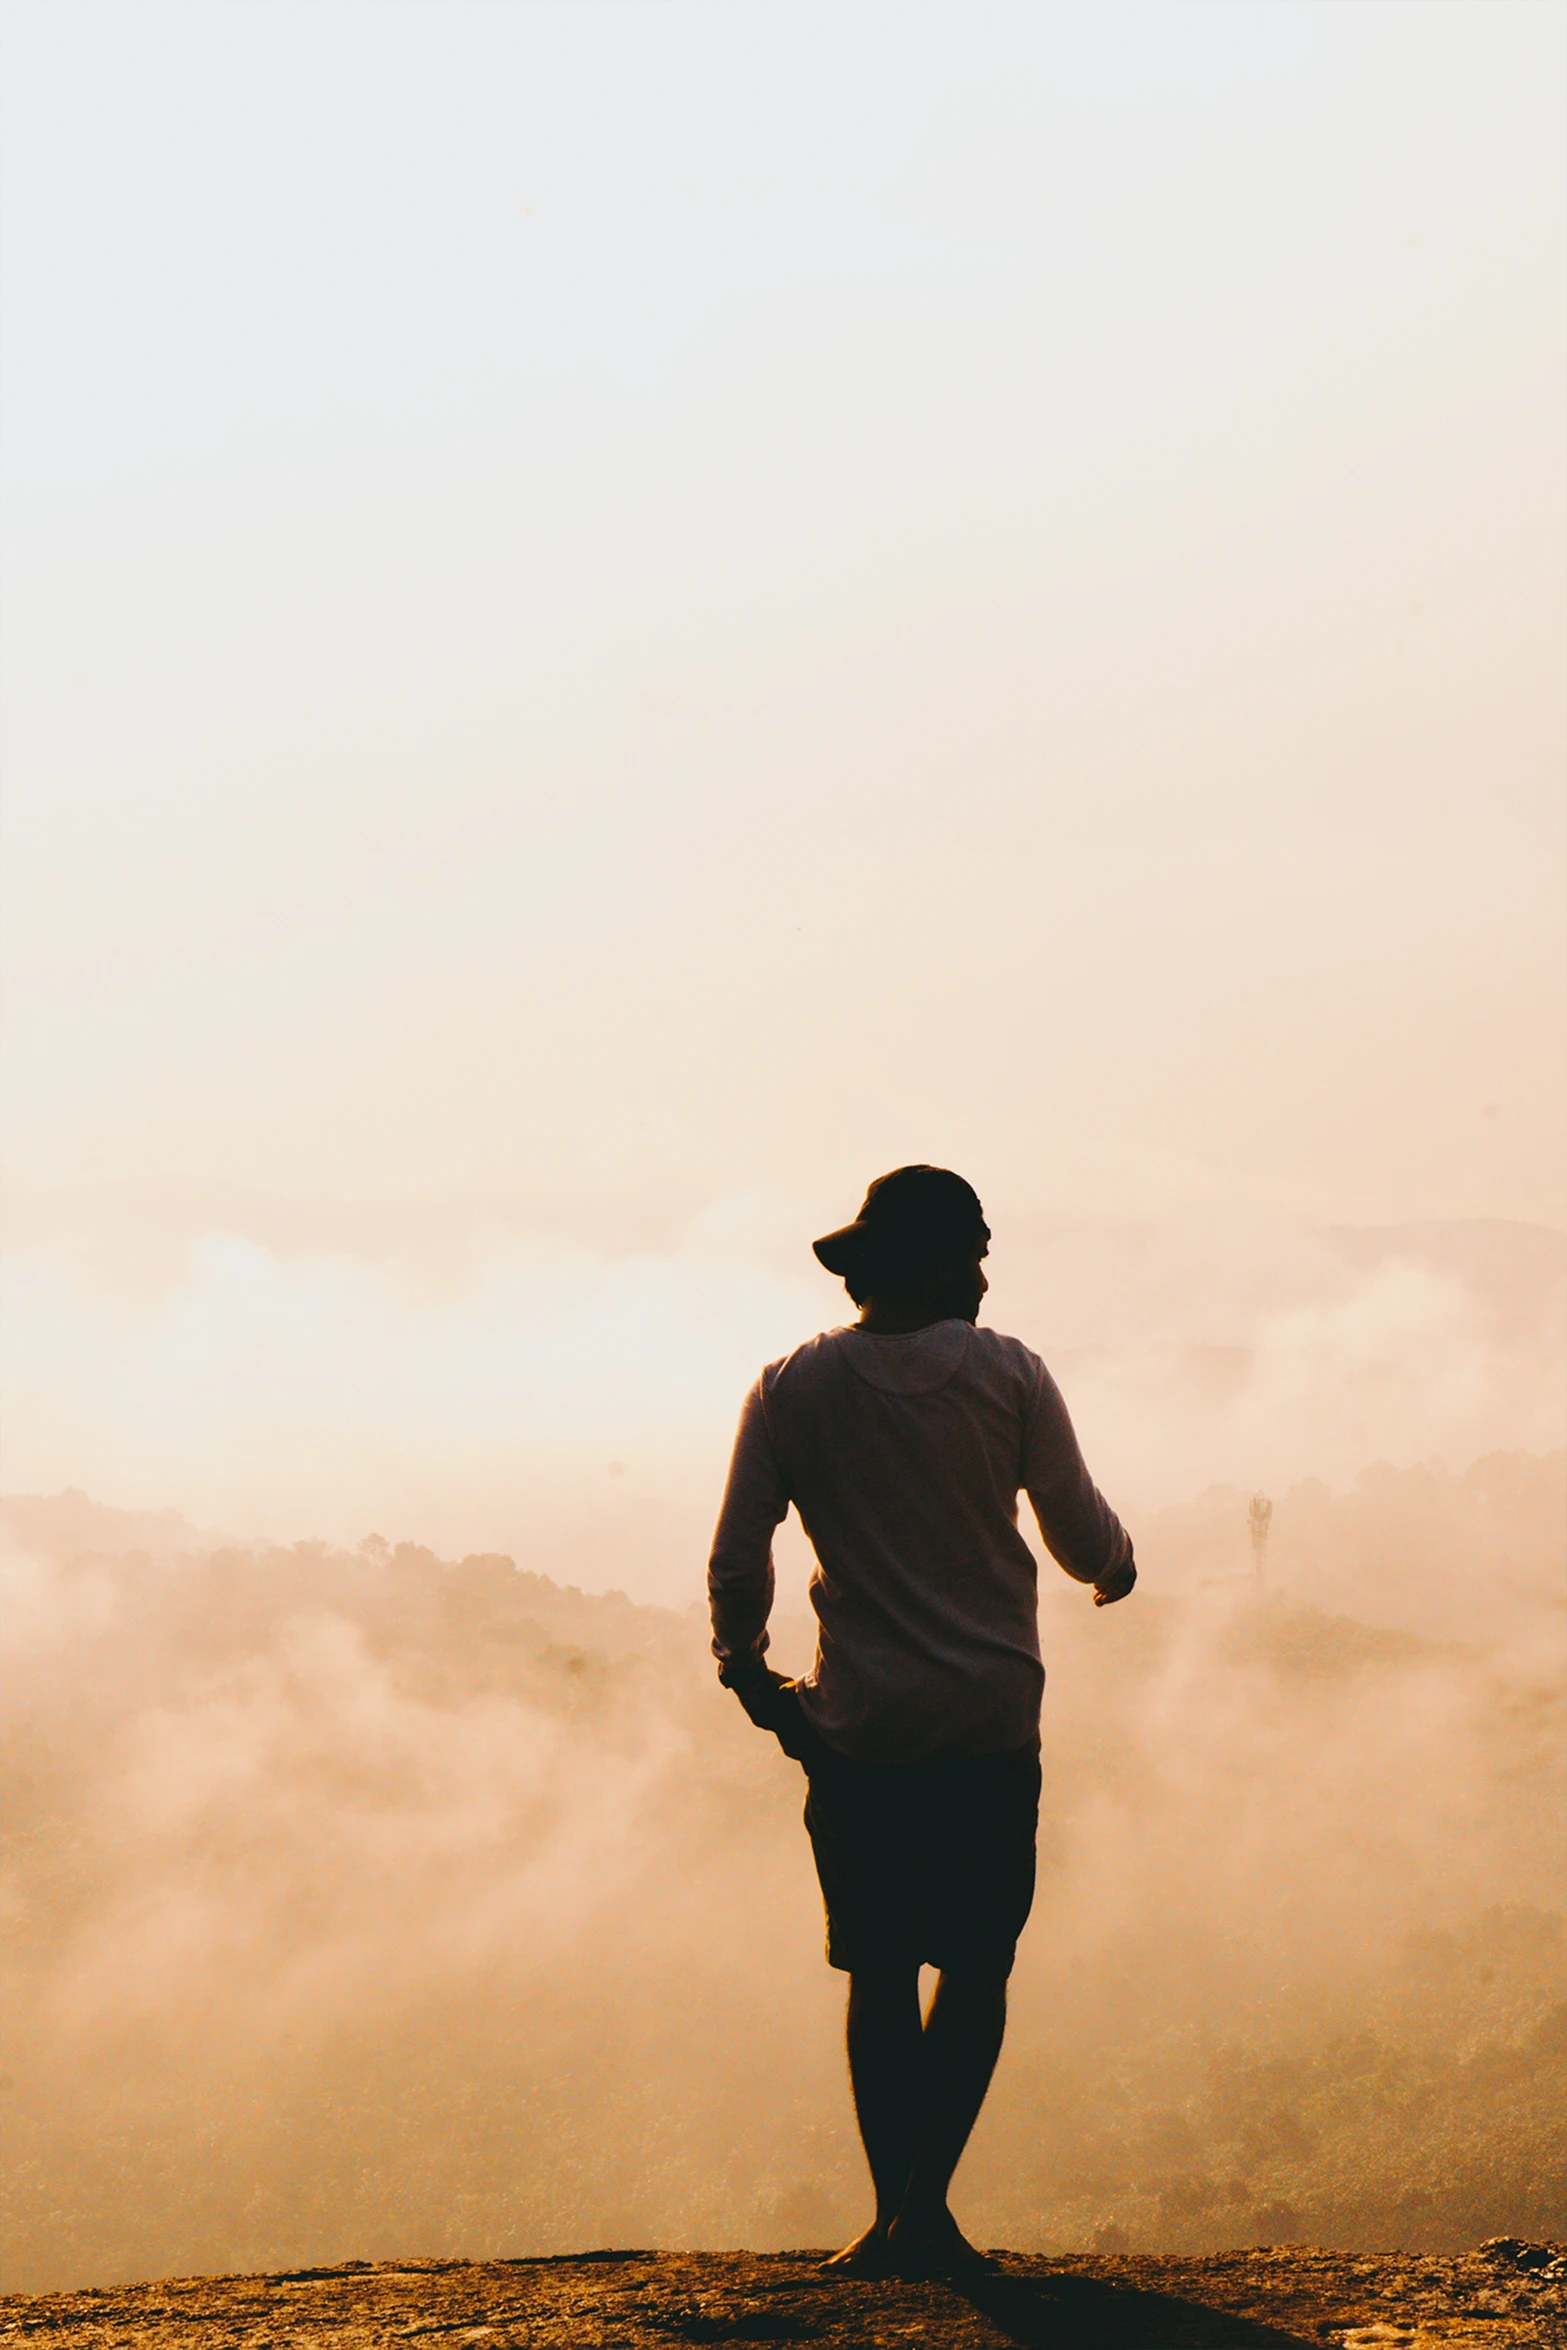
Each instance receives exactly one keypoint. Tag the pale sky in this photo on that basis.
(617, 603)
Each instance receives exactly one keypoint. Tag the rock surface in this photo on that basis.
(1505, 2293)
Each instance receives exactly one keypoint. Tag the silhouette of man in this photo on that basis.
(903, 1441)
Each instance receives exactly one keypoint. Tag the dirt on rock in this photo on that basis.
(1507, 2292)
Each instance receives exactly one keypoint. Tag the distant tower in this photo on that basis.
(1259, 1518)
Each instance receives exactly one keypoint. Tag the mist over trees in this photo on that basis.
(362, 1903)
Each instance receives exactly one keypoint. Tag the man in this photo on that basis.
(903, 1442)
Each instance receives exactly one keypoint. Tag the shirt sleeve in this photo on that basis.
(740, 1568)
(1081, 1531)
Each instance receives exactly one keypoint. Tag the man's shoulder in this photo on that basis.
(812, 1355)
(1004, 1357)
(997, 1342)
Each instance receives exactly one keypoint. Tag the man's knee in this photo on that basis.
(885, 1983)
(978, 1984)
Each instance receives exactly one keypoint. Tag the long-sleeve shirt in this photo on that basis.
(904, 1456)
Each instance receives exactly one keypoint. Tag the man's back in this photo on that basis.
(903, 1443)
(904, 1455)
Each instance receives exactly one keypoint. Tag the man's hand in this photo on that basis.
(757, 1688)
(770, 1701)
(1106, 1594)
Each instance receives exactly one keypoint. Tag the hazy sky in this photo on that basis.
(616, 603)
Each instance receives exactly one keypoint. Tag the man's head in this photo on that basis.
(917, 1242)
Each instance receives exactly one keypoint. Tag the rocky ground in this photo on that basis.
(1507, 2292)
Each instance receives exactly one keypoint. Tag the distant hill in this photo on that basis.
(68, 1525)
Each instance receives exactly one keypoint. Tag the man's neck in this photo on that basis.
(896, 1317)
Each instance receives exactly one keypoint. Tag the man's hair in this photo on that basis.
(914, 1222)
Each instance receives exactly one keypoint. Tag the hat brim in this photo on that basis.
(839, 1250)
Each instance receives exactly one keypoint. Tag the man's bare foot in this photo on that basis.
(933, 2247)
(866, 2256)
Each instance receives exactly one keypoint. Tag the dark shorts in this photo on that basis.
(924, 1864)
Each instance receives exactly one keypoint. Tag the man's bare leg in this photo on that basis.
(958, 2051)
(886, 2066)
(917, 2095)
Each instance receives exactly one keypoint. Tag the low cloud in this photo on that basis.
(363, 1905)
(572, 1402)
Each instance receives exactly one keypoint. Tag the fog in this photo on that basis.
(385, 1872)
(363, 1905)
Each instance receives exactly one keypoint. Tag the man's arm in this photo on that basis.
(1081, 1531)
(740, 1569)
